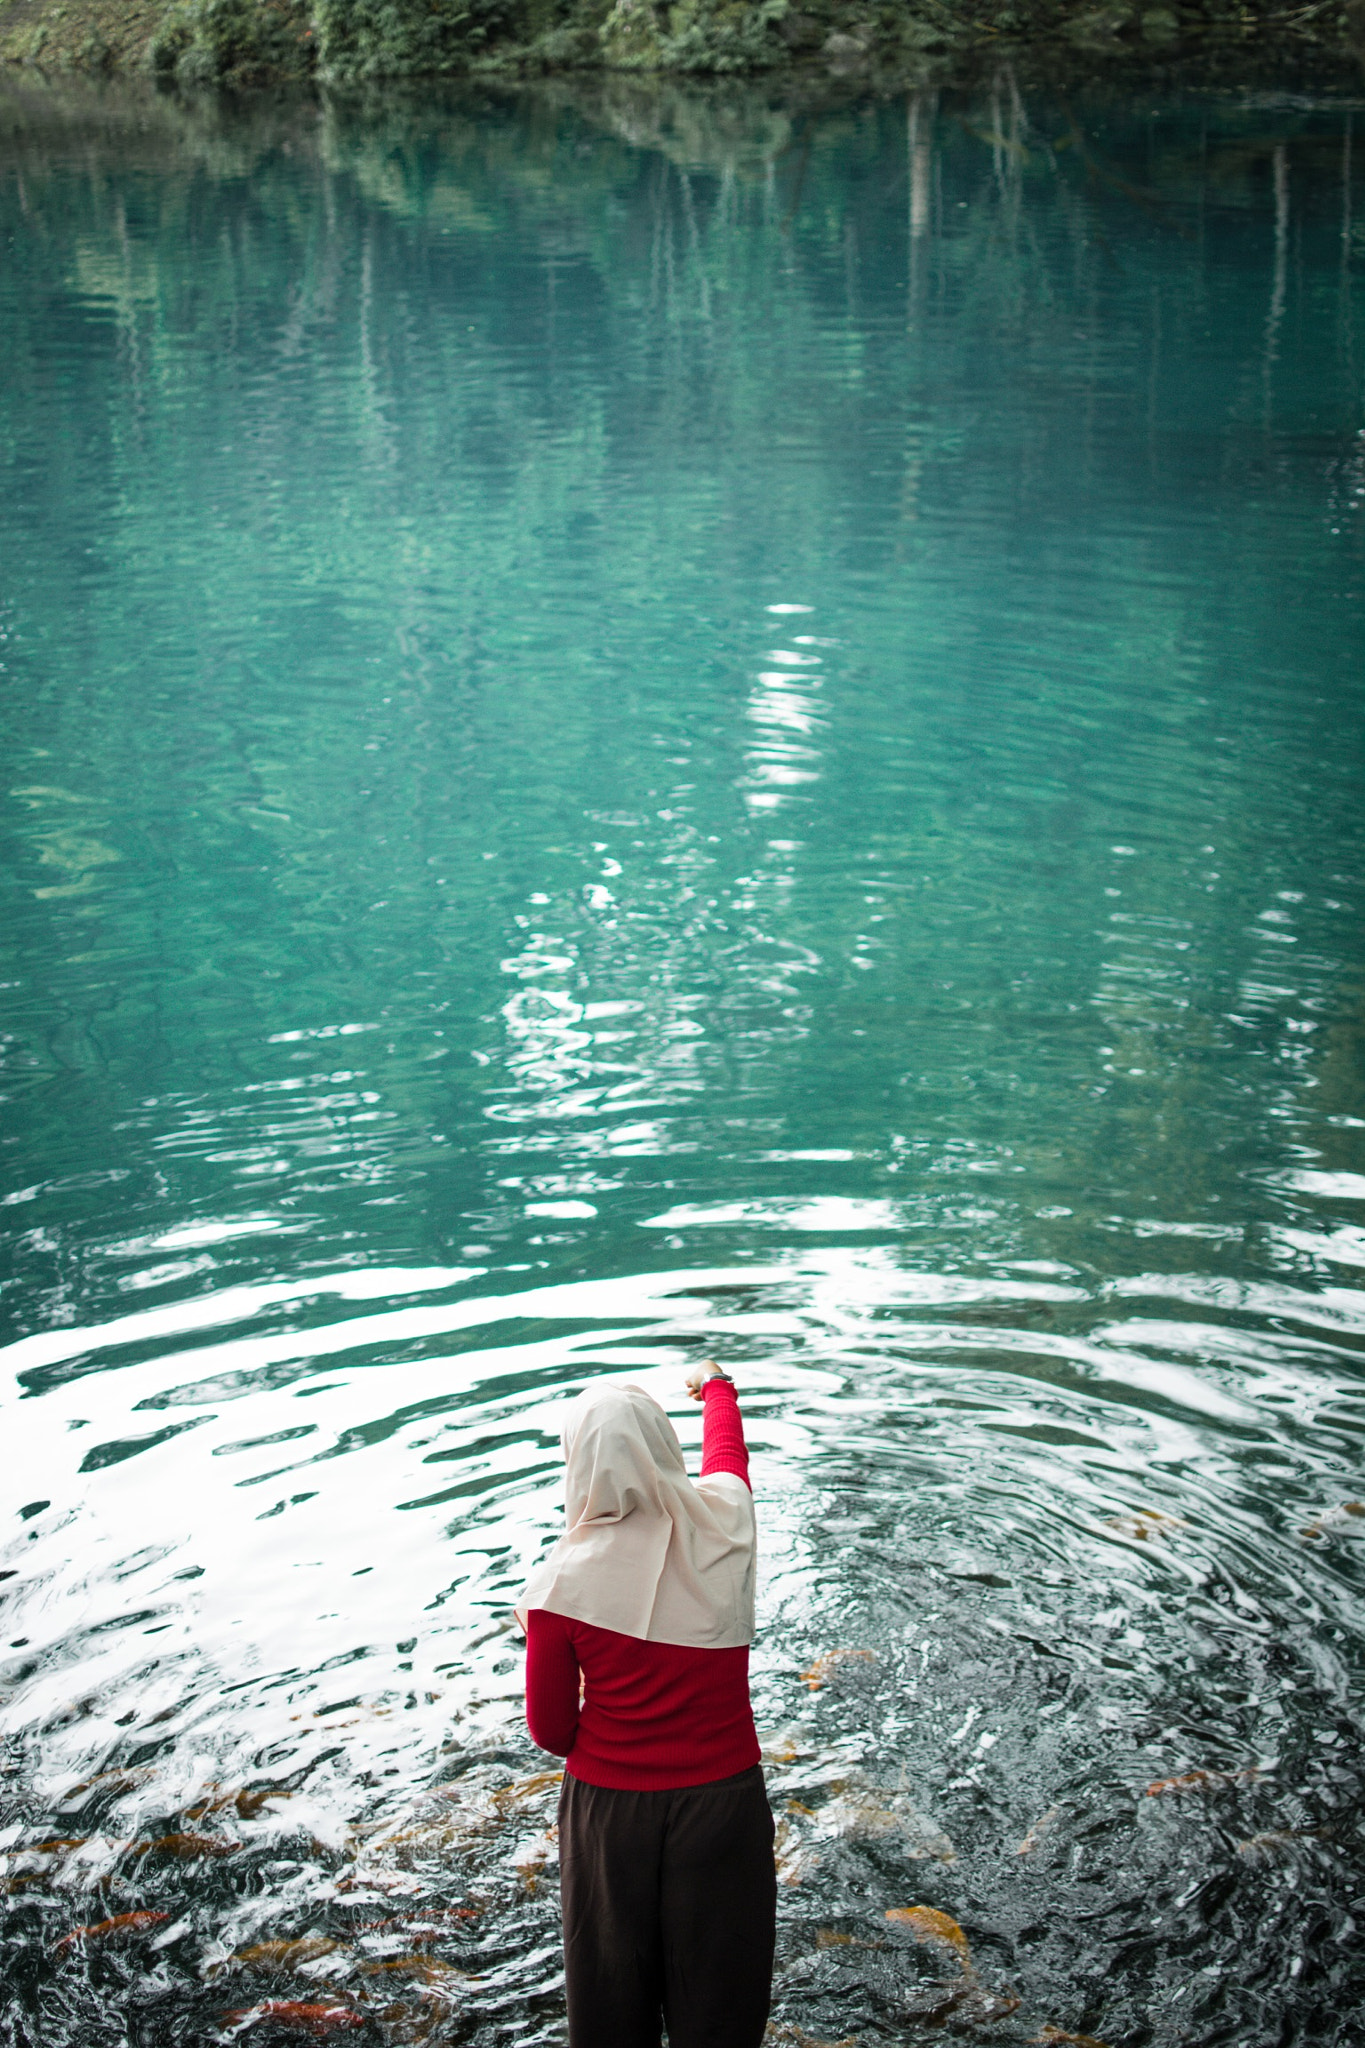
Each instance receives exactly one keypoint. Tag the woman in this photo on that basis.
(637, 1673)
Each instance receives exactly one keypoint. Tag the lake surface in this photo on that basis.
(649, 723)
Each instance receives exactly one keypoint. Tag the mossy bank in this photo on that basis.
(241, 43)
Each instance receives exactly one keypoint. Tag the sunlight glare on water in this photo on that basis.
(643, 724)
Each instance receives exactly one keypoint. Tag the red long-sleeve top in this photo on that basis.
(637, 1716)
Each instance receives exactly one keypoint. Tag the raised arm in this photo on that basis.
(722, 1431)
(551, 1682)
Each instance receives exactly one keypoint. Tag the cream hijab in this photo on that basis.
(647, 1551)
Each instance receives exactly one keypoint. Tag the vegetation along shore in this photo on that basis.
(244, 43)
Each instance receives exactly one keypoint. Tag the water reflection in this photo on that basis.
(646, 724)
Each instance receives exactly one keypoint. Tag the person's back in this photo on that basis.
(638, 1628)
(653, 1715)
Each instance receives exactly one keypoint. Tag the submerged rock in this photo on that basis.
(843, 52)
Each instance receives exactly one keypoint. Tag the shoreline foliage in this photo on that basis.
(243, 44)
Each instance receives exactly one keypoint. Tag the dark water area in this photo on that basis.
(651, 724)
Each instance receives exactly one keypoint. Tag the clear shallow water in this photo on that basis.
(650, 725)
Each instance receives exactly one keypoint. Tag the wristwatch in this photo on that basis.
(718, 1372)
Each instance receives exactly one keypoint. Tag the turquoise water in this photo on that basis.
(642, 724)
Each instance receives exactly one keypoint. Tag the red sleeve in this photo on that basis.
(551, 1682)
(722, 1431)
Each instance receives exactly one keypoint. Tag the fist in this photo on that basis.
(697, 1378)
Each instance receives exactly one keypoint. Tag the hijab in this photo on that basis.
(646, 1551)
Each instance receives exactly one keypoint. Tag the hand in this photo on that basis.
(697, 1378)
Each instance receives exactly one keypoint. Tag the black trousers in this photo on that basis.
(670, 1902)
